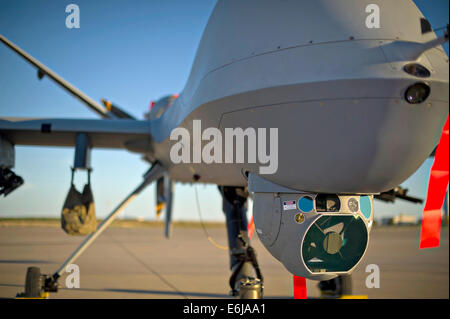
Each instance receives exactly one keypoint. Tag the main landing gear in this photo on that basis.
(39, 286)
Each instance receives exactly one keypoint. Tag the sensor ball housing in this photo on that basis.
(317, 236)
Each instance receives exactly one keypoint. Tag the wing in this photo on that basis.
(119, 130)
(121, 133)
(110, 112)
(43, 70)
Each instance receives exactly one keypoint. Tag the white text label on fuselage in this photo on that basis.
(211, 152)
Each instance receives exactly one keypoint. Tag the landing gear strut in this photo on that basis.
(242, 284)
(246, 281)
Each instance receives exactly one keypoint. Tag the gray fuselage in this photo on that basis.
(333, 87)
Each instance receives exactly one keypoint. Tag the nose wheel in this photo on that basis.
(250, 288)
(243, 283)
(337, 287)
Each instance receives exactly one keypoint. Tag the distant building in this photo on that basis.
(401, 219)
(404, 219)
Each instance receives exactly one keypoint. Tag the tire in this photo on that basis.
(33, 283)
(337, 287)
(250, 288)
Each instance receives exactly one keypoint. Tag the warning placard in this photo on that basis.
(289, 205)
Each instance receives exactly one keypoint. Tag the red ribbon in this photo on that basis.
(299, 287)
(437, 187)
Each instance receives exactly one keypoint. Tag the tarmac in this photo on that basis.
(141, 263)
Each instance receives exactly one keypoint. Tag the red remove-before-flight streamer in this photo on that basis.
(437, 187)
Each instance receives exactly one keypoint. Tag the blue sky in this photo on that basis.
(131, 54)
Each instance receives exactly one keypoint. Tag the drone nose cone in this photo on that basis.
(256, 32)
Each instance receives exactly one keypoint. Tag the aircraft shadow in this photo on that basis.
(171, 293)
(26, 261)
(185, 294)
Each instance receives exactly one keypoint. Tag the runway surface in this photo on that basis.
(141, 263)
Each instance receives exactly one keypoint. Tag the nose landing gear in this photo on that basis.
(338, 287)
(246, 280)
